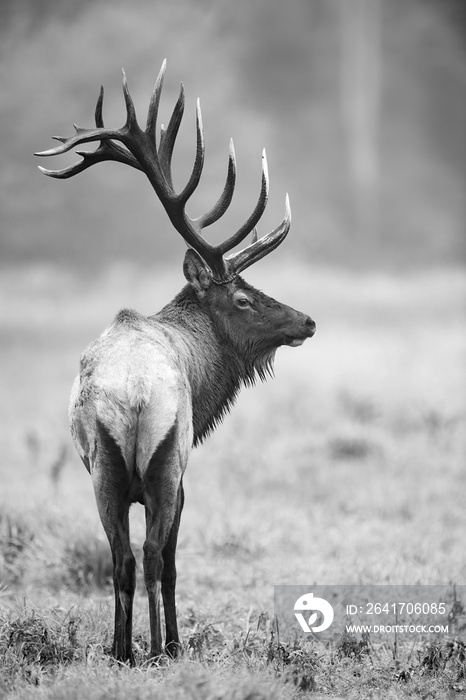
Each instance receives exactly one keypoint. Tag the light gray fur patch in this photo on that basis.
(135, 391)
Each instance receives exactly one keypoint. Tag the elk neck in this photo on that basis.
(214, 369)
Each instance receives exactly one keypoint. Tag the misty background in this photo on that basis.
(349, 465)
(361, 105)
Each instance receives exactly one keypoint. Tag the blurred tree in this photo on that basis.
(33, 14)
(361, 89)
(362, 104)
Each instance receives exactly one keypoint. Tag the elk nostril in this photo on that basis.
(310, 325)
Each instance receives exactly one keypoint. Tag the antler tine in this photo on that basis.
(259, 248)
(168, 137)
(131, 120)
(199, 159)
(259, 209)
(151, 124)
(64, 173)
(98, 114)
(225, 198)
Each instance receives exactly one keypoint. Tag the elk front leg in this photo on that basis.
(172, 640)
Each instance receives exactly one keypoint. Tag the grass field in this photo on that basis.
(347, 468)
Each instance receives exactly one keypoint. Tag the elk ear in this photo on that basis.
(196, 272)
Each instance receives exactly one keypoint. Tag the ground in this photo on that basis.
(347, 468)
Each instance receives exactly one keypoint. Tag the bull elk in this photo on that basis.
(150, 387)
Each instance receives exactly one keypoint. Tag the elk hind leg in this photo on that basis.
(161, 488)
(172, 640)
(111, 485)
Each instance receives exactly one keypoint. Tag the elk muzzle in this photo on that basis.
(298, 328)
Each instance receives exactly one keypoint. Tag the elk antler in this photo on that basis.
(140, 150)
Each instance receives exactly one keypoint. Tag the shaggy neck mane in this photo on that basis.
(216, 367)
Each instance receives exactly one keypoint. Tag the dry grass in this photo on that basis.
(347, 468)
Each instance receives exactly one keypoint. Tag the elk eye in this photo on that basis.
(242, 302)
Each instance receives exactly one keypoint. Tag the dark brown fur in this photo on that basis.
(221, 357)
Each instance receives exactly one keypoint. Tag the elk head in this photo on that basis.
(236, 307)
(247, 319)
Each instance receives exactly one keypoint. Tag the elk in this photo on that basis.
(151, 387)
